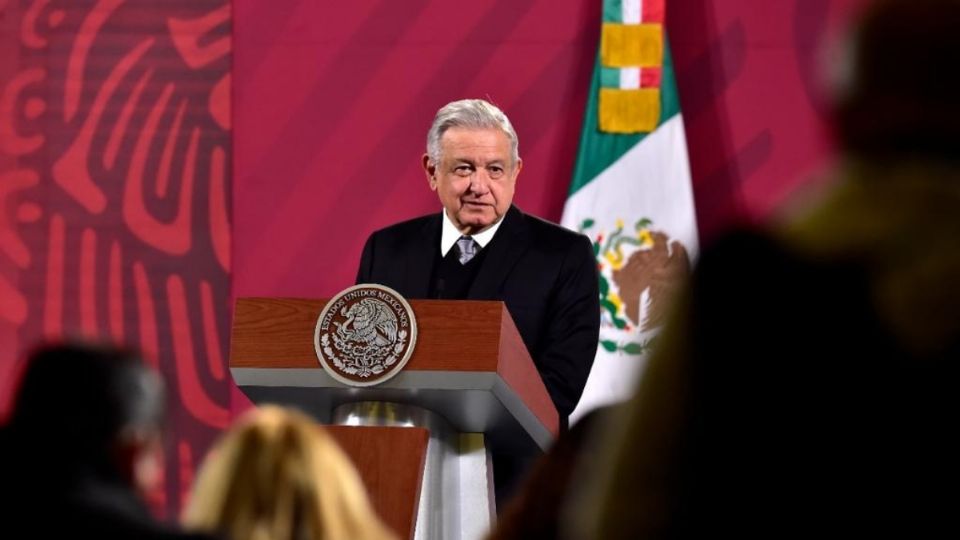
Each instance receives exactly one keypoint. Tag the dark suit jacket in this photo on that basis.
(546, 275)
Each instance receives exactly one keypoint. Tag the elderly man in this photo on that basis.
(481, 247)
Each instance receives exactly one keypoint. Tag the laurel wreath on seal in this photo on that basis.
(359, 359)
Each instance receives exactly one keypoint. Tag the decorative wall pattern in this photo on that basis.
(115, 195)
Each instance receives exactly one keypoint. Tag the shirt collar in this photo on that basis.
(451, 234)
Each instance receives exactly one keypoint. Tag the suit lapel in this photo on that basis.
(510, 242)
(420, 258)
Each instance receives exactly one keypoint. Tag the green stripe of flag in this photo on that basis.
(612, 11)
(609, 77)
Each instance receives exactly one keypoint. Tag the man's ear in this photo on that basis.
(139, 460)
(516, 170)
(430, 168)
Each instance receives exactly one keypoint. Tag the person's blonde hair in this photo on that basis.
(276, 475)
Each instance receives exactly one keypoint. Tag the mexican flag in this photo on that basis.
(631, 193)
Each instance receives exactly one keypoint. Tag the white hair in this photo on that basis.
(470, 114)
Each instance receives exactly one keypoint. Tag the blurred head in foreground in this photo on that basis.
(83, 446)
(898, 88)
(90, 410)
(277, 475)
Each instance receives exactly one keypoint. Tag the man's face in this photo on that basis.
(475, 178)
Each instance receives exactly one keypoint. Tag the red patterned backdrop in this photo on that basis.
(115, 194)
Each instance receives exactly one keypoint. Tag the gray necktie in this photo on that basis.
(467, 247)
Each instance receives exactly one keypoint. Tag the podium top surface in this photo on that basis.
(469, 365)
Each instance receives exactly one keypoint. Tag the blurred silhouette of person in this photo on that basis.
(534, 512)
(807, 383)
(277, 475)
(83, 445)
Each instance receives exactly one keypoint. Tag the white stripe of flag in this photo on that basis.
(632, 11)
(630, 78)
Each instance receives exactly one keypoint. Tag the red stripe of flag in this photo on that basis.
(650, 77)
(653, 11)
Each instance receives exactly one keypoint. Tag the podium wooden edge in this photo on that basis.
(395, 496)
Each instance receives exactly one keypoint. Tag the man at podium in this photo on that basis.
(481, 247)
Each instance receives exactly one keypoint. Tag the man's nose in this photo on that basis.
(480, 182)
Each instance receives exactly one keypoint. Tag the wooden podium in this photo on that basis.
(421, 440)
